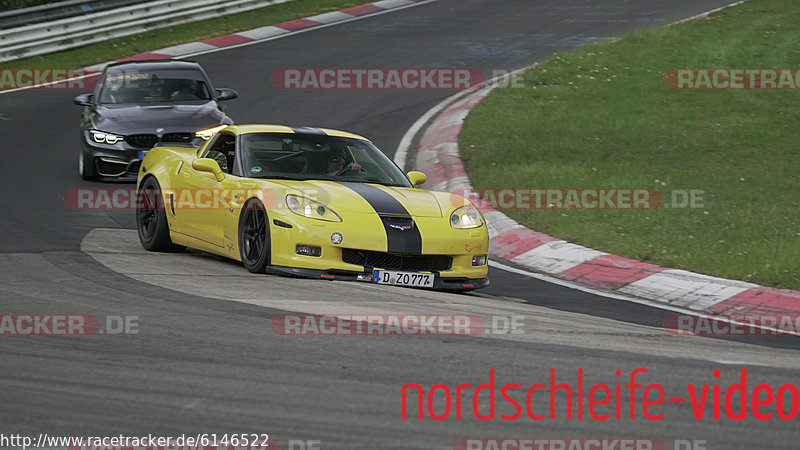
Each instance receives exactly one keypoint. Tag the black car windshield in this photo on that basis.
(312, 157)
(154, 86)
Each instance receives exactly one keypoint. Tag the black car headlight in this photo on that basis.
(102, 137)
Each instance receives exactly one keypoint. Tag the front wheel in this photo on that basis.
(151, 219)
(254, 242)
(86, 167)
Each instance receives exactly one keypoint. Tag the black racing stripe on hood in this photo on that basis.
(383, 203)
(308, 130)
(402, 234)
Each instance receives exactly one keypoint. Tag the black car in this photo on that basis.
(139, 104)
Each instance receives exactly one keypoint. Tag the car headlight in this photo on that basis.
(103, 137)
(209, 133)
(466, 217)
(310, 208)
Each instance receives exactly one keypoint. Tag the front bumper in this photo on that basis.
(439, 241)
(121, 164)
(439, 283)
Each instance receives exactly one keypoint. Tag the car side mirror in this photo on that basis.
(83, 100)
(416, 178)
(226, 94)
(209, 166)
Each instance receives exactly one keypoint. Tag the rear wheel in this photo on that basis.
(254, 242)
(151, 219)
(86, 167)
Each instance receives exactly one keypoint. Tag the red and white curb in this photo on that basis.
(437, 155)
(271, 31)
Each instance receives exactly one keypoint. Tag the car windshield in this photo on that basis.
(312, 157)
(154, 86)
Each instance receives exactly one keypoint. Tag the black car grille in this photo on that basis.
(142, 140)
(134, 167)
(177, 137)
(397, 262)
(150, 140)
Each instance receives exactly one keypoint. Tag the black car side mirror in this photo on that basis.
(226, 94)
(83, 100)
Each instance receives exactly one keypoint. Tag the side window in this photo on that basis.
(97, 89)
(223, 151)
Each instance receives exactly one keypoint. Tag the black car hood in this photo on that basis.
(138, 119)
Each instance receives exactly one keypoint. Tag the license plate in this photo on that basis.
(402, 278)
(142, 153)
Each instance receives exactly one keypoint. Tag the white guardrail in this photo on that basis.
(62, 34)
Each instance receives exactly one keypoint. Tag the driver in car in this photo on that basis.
(183, 90)
(336, 166)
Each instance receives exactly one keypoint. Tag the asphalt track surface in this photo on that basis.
(205, 364)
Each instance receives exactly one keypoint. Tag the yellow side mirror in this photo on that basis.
(209, 166)
(416, 178)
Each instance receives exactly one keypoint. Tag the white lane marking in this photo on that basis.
(739, 363)
(707, 13)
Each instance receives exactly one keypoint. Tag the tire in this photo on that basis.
(254, 240)
(151, 219)
(86, 167)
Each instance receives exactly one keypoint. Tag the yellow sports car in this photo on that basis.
(309, 202)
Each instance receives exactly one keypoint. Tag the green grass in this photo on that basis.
(625, 128)
(131, 45)
(7, 5)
